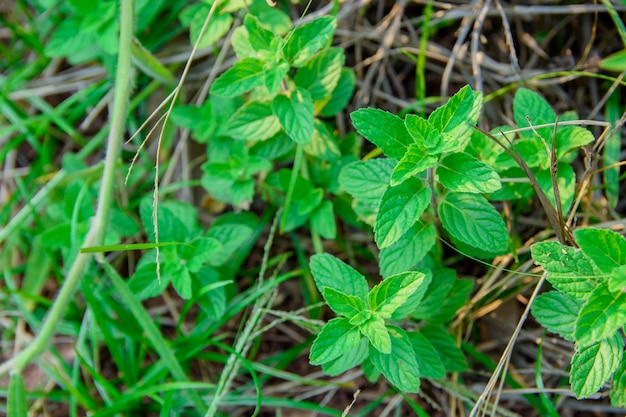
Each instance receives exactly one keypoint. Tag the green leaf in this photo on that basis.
(557, 312)
(320, 75)
(618, 388)
(449, 353)
(416, 159)
(255, 120)
(204, 250)
(348, 360)
(413, 302)
(295, 115)
(592, 366)
(323, 144)
(150, 65)
(529, 104)
(464, 173)
(407, 251)
(343, 304)
(471, 219)
(374, 329)
(217, 27)
(337, 337)
(601, 316)
(180, 277)
(393, 292)
(400, 207)
(144, 282)
(424, 133)
(453, 301)
(16, 401)
(242, 77)
(430, 365)
(569, 270)
(571, 137)
(617, 281)
(213, 301)
(323, 220)
(399, 365)
(307, 39)
(383, 129)
(260, 38)
(341, 95)
(440, 286)
(455, 118)
(606, 248)
(330, 272)
(615, 62)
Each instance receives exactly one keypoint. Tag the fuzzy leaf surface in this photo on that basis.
(242, 77)
(399, 365)
(569, 270)
(295, 114)
(464, 173)
(400, 207)
(557, 312)
(593, 365)
(471, 219)
(330, 272)
(383, 129)
(606, 248)
(601, 316)
(336, 338)
(455, 118)
(308, 39)
(386, 297)
(407, 251)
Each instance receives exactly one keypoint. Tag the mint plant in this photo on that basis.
(588, 307)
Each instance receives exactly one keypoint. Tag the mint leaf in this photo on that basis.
(601, 316)
(144, 282)
(593, 365)
(231, 237)
(440, 286)
(393, 292)
(527, 103)
(416, 159)
(275, 75)
(383, 129)
(449, 353)
(242, 77)
(204, 249)
(569, 138)
(330, 272)
(343, 304)
(471, 219)
(454, 119)
(341, 95)
(323, 144)
(464, 173)
(348, 360)
(399, 365)
(424, 133)
(606, 248)
(453, 301)
(320, 75)
(618, 388)
(336, 338)
(255, 120)
(617, 281)
(407, 251)
(307, 39)
(569, 270)
(323, 220)
(400, 207)
(259, 37)
(413, 301)
(557, 312)
(374, 329)
(217, 27)
(180, 277)
(430, 365)
(295, 115)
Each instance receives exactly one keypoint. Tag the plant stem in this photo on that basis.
(96, 233)
(292, 184)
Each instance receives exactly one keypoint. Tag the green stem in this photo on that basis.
(98, 228)
(292, 184)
